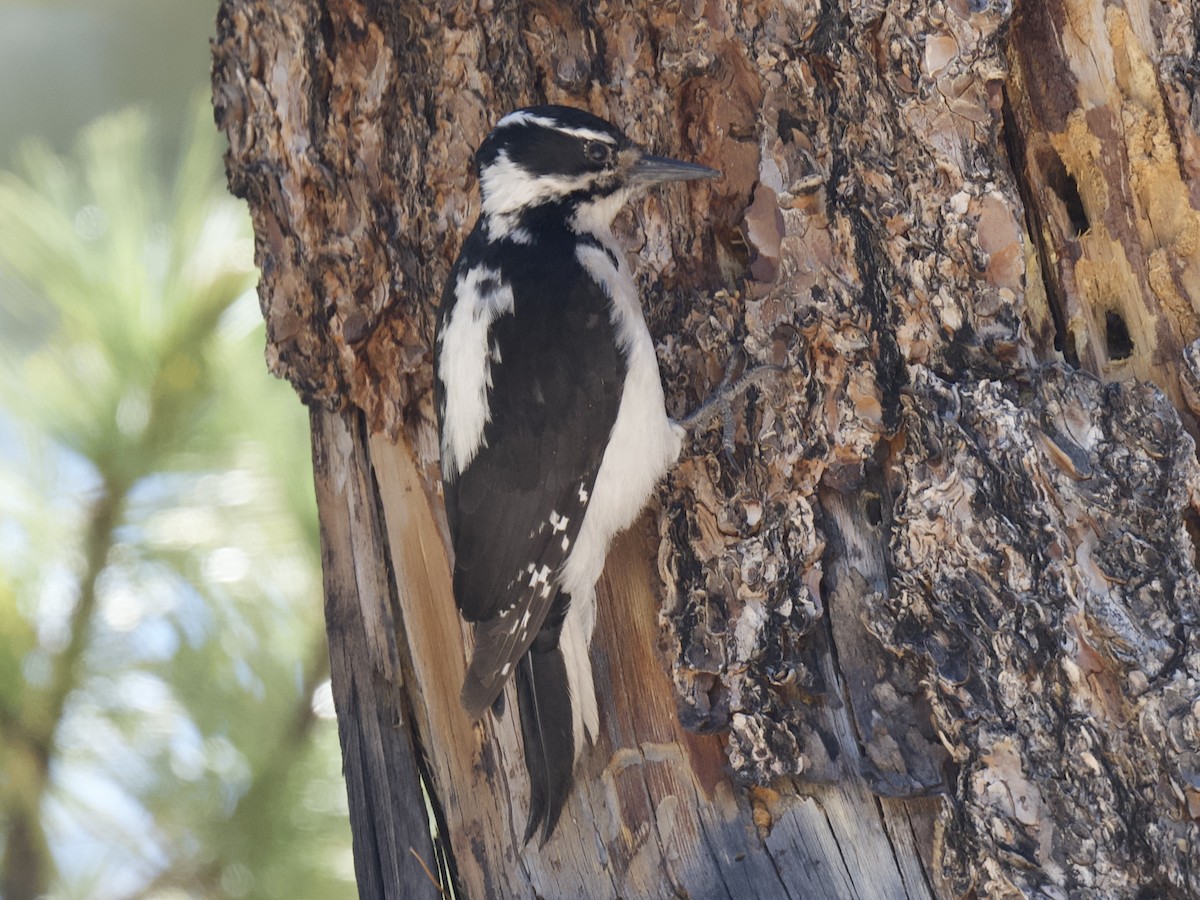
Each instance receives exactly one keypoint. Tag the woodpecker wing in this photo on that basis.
(516, 505)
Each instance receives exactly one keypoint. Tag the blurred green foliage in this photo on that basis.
(165, 728)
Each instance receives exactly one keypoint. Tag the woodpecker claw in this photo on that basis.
(727, 436)
(720, 404)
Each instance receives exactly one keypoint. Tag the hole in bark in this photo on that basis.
(874, 510)
(1116, 336)
(1066, 189)
(789, 123)
(1070, 350)
(1191, 521)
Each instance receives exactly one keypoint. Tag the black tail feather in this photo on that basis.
(544, 702)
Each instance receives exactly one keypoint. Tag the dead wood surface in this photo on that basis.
(392, 844)
(932, 630)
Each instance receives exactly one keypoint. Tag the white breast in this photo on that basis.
(644, 441)
(643, 445)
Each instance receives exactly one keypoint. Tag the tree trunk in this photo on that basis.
(930, 630)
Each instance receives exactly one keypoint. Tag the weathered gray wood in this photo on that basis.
(392, 844)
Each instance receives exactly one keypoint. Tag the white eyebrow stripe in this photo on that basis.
(520, 117)
(586, 133)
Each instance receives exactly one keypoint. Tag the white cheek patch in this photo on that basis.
(465, 364)
(508, 188)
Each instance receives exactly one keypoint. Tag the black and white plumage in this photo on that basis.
(552, 419)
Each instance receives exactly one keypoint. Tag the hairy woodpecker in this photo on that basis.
(552, 419)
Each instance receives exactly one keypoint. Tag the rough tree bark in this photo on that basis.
(931, 631)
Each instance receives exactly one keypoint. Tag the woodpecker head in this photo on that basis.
(556, 156)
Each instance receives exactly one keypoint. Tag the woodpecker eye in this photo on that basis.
(597, 151)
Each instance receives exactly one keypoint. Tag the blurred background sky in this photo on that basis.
(166, 730)
(63, 62)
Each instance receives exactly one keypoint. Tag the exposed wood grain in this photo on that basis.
(379, 751)
(1116, 212)
(467, 759)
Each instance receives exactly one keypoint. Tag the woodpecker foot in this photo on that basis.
(720, 404)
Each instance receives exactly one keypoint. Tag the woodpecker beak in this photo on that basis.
(653, 169)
